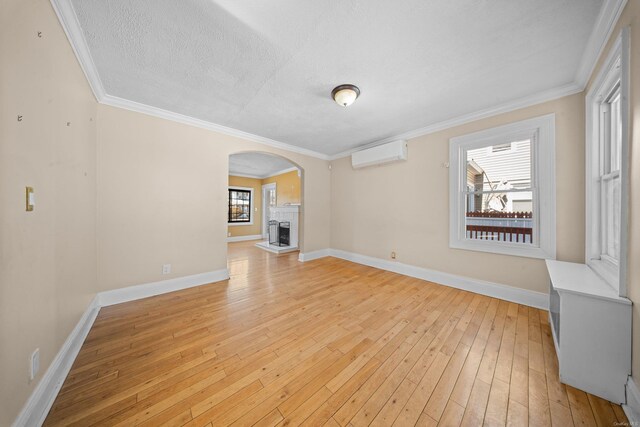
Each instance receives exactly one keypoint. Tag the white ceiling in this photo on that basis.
(258, 165)
(267, 68)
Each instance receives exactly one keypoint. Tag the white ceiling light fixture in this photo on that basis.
(344, 95)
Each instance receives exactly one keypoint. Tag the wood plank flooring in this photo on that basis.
(326, 342)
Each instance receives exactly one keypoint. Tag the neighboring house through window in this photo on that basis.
(502, 189)
(606, 167)
(240, 206)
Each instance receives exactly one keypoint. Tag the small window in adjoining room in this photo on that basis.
(606, 172)
(502, 189)
(240, 202)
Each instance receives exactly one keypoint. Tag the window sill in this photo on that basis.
(580, 279)
(503, 249)
(606, 271)
(235, 224)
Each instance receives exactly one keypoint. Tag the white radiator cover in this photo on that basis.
(386, 153)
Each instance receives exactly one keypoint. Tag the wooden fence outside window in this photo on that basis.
(516, 227)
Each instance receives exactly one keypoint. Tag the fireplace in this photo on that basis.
(284, 233)
(282, 229)
(279, 233)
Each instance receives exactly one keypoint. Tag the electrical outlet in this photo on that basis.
(393, 255)
(228, 234)
(166, 269)
(34, 364)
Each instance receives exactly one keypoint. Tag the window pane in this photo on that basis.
(506, 217)
(611, 226)
(239, 206)
(615, 131)
(500, 166)
(610, 143)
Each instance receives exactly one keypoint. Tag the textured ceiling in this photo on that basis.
(268, 68)
(257, 164)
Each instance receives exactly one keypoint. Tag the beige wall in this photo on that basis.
(631, 17)
(287, 187)
(404, 207)
(256, 227)
(162, 198)
(48, 256)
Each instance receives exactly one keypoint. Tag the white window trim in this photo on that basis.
(265, 207)
(251, 212)
(543, 174)
(609, 73)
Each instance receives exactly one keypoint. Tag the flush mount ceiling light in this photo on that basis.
(344, 95)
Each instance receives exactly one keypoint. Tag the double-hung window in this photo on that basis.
(606, 167)
(240, 202)
(502, 189)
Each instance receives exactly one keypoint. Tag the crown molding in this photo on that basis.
(246, 175)
(287, 170)
(603, 28)
(607, 18)
(517, 104)
(138, 107)
(605, 23)
(69, 21)
(71, 26)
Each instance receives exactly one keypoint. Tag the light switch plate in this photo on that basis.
(30, 199)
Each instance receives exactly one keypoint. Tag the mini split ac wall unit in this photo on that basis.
(386, 153)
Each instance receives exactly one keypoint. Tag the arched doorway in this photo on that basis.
(265, 202)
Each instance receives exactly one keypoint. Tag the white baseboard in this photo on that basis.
(495, 290)
(132, 293)
(244, 238)
(632, 407)
(39, 403)
(309, 256)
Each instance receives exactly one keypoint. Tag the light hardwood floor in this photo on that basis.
(327, 342)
